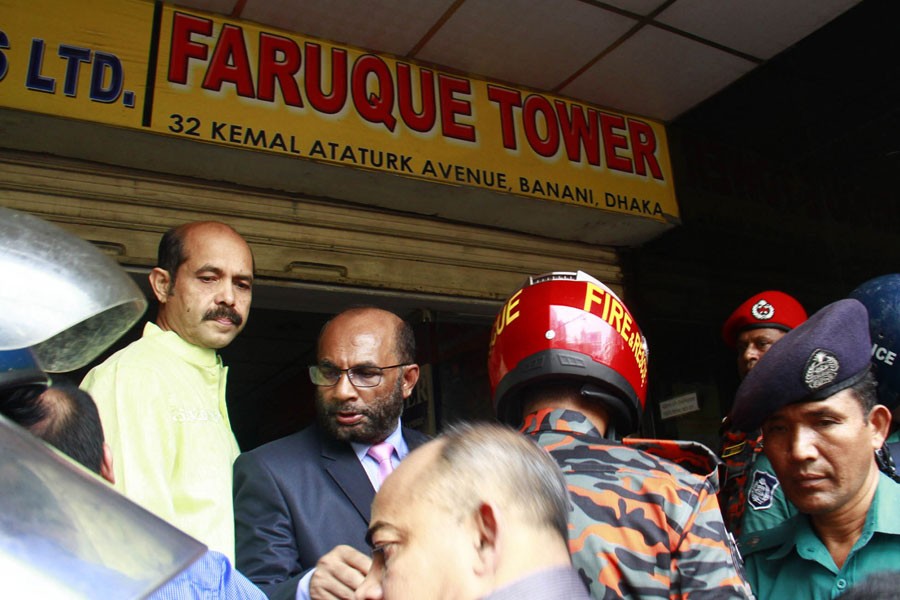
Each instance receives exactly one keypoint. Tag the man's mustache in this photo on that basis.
(224, 311)
(348, 407)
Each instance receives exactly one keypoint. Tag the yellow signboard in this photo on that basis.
(160, 68)
(85, 60)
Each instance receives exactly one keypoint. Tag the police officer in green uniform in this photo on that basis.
(814, 396)
(765, 506)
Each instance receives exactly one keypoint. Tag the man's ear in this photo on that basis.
(106, 467)
(880, 424)
(410, 378)
(487, 527)
(159, 283)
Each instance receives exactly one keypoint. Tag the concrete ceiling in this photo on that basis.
(653, 58)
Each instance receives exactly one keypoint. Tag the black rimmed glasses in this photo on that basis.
(361, 377)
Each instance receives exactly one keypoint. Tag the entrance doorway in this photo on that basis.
(269, 392)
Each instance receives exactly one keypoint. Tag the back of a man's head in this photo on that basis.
(521, 475)
(63, 416)
(478, 508)
(570, 326)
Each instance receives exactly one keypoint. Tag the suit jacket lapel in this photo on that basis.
(341, 463)
(414, 438)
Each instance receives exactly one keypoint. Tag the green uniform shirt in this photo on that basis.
(792, 562)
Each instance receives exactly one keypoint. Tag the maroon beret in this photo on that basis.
(826, 354)
(766, 309)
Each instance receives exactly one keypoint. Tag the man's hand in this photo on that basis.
(338, 574)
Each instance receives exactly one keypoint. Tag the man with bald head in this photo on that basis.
(481, 512)
(302, 502)
(162, 398)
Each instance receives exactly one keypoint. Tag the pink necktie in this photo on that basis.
(382, 454)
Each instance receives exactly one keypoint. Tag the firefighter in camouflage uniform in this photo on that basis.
(569, 365)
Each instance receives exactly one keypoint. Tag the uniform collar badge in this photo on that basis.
(762, 490)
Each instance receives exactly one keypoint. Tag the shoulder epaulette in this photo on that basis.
(767, 539)
(691, 456)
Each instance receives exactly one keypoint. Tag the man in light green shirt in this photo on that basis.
(162, 398)
(813, 394)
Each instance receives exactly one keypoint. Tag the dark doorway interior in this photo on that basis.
(269, 392)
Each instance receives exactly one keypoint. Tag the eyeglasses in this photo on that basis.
(361, 377)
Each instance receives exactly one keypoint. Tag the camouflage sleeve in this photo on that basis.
(640, 531)
(706, 563)
(691, 456)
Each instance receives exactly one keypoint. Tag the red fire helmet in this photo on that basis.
(569, 325)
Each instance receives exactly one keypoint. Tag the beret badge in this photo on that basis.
(821, 369)
(762, 310)
(828, 353)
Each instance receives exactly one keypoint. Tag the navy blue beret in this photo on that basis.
(826, 354)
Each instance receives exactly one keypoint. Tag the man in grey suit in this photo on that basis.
(302, 503)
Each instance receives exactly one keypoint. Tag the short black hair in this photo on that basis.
(63, 416)
(406, 342)
(22, 405)
(866, 392)
(170, 255)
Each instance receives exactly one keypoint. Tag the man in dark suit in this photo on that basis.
(302, 502)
